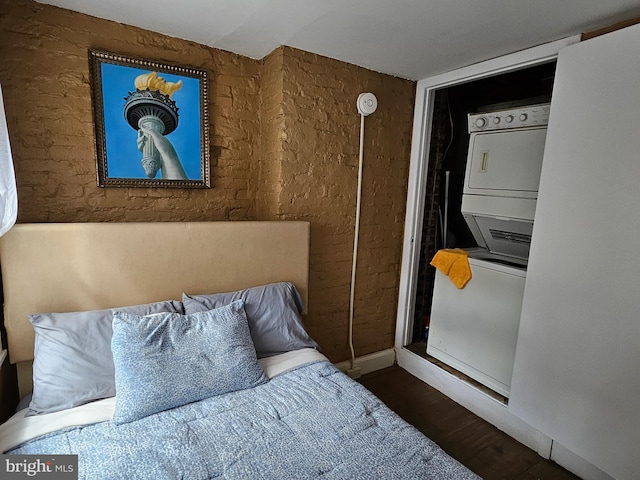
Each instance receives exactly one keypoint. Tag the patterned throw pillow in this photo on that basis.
(164, 361)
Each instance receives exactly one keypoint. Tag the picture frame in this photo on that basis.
(151, 123)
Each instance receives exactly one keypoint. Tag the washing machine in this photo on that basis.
(475, 329)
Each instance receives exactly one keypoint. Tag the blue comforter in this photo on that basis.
(310, 422)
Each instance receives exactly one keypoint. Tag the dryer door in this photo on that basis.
(505, 163)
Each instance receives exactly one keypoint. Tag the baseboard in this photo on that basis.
(476, 401)
(497, 414)
(576, 464)
(371, 362)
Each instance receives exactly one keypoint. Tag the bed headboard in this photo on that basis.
(56, 267)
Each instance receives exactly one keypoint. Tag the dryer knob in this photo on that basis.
(523, 117)
(481, 122)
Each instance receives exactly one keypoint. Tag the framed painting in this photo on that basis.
(151, 123)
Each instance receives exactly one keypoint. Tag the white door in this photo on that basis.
(576, 368)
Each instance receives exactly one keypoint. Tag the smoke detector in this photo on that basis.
(367, 103)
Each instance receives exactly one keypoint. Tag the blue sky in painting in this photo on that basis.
(123, 156)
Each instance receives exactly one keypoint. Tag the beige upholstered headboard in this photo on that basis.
(70, 267)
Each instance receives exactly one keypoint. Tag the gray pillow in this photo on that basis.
(73, 363)
(168, 360)
(273, 312)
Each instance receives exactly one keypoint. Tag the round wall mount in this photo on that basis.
(367, 103)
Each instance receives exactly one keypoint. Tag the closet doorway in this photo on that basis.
(447, 156)
(422, 170)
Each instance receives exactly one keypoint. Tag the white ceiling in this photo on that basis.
(412, 39)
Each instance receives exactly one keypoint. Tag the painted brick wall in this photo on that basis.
(268, 183)
(45, 77)
(319, 182)
(284, 145)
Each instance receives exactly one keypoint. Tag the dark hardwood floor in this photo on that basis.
(480, 446)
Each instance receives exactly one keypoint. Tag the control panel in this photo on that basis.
(530, 116)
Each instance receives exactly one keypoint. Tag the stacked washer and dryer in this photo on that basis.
(475, 329)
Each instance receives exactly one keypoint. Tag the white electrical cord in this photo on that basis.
(355, 242)
(367, 104)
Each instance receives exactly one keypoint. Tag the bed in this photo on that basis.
(177, 350)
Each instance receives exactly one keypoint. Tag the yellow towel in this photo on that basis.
(454, 263)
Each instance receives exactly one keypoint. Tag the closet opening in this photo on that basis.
(447, 158)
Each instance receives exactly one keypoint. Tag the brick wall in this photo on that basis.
(268, 184)
(319, 182)
(284, 145)
(439, 143)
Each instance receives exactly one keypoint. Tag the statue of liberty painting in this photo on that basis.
(142, 138)
(153, 113)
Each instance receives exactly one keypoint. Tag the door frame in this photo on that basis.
(470, 397)
(418, 167)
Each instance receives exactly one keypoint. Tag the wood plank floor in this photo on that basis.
(480, 446)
